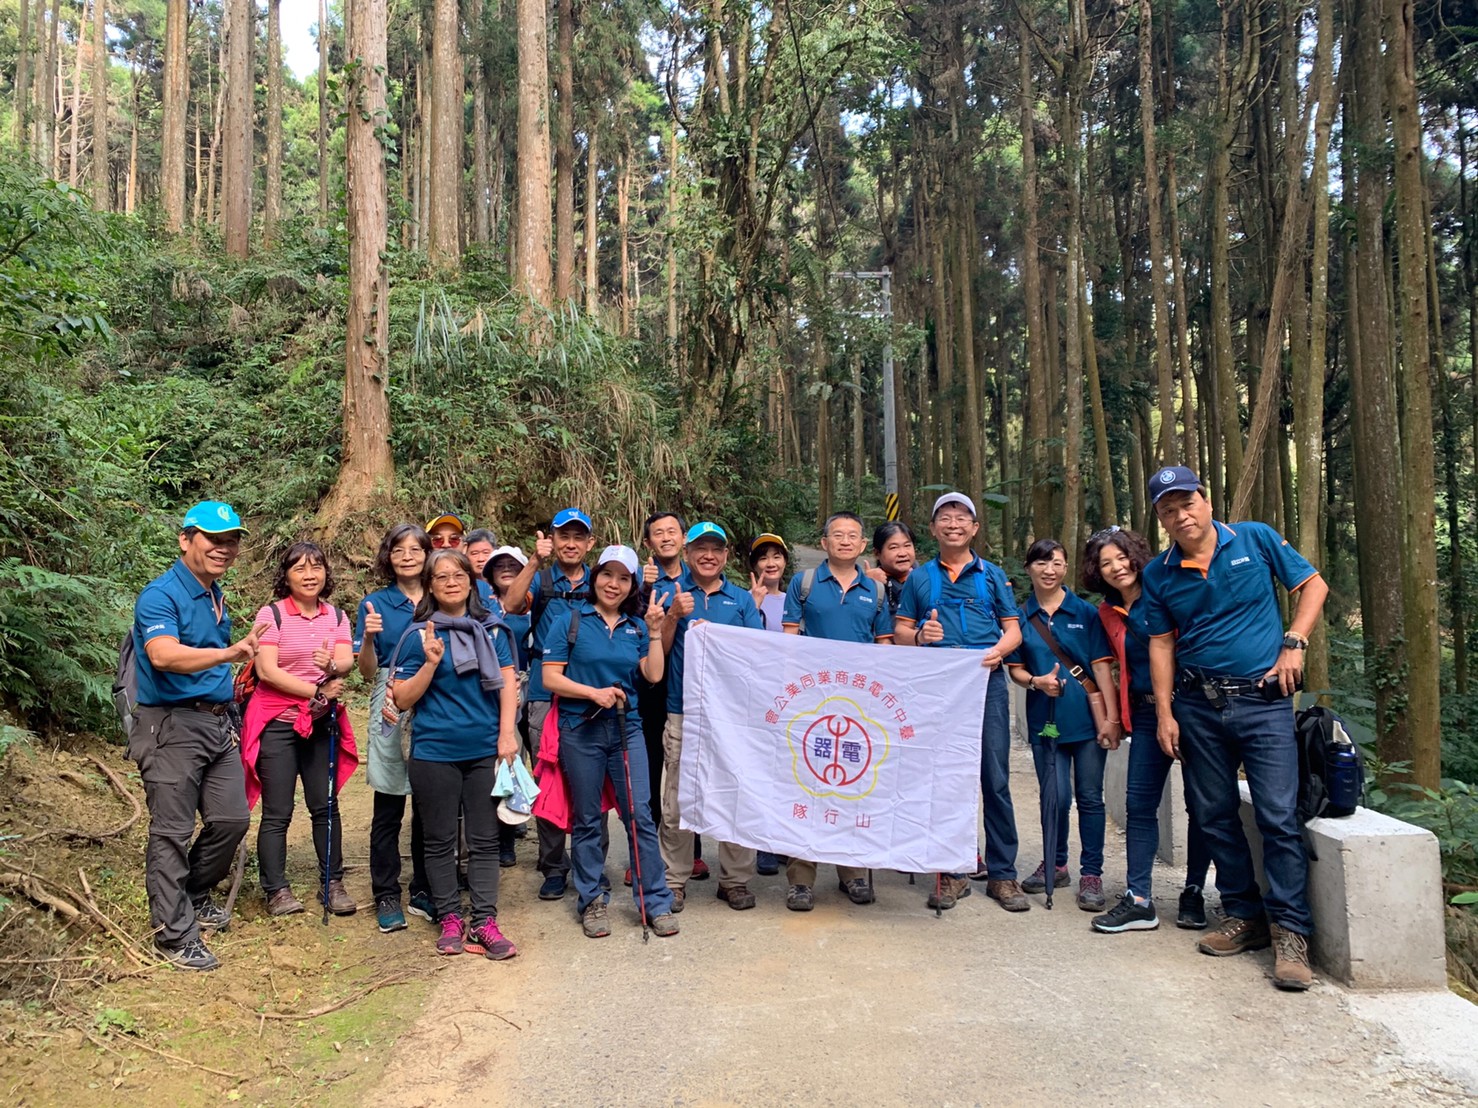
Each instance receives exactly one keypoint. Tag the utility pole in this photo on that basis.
(884, 277)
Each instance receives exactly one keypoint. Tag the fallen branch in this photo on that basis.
(123, 792)
(34, 886)
(30, 886)
(358, 994)
(238, 869)
(95, 1041)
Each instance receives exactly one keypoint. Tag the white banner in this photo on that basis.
(849, 753)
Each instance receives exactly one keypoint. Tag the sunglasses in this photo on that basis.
(442, 542)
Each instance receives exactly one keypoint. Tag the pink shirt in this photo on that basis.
(299, 637)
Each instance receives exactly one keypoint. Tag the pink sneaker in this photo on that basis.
(487, 940)
(451, 935)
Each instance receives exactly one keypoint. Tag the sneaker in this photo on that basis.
(595, 921)
(981, 873)
(664, 926)
(1291, 970)
(800, 898)
(679, 899)
(767, 864)
(554, 887)
(484, 938)
(858, 890)
(283, 903)
(1235, 936)
(388, 914)
(1128, 915)
(192, 954)
(421, 905)
(1037, 882)
(700, 870)
(1192, 913)
(210, 916)
(340, 903)
(1009, 895)
(1090, 893)
(452, 934)
(738, 897)
(948, 892)
(507, 858)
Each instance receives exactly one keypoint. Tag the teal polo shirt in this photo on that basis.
(973, 607)
(1076, 627)
(395, 610)
(1225, 613)
(542, 611)
(858, 613)
(729, 605)
(176, 605)
(455, 720)
(604, 656)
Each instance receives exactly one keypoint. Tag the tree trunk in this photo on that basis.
(974, 414)
(323, 33)
(236, 165)
(533, 277)
(1167, 450)
(443, 239)
(859, 432)
(131, 196)
(46, 93)
(564, 154)
(1103, 462)
(176, 104)
(100, 171)
(592, 235)
(623, 235)
(23, 74)
(74, 132)
(481, 228)
(1031, 284)
(272, 213)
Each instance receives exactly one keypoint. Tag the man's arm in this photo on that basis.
(172, 656)
(1162, 677)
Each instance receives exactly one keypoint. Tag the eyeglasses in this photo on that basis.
(410, 553)
(448, 578)
(441, 542)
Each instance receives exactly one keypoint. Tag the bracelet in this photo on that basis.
(1031, 683)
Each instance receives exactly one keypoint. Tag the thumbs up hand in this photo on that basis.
(433, 646)
(323, 656)
(682, 602)
(931, 630)
(875, 572)
(649, 572)
(1050, 684)
(374, 623)
(543, 546)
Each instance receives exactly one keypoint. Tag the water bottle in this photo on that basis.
(1345, 779)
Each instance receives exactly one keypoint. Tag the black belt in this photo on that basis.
(214, 707)
(1146, 699)
(1206, 684)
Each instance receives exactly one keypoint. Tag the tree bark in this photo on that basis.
(323, 169)
(272, 212)
(564, 154)
(1031, 284)
(1167, 451)
(533, 277)
(481, 227)
(623, 235)
(443, 239)
(236, 165)
(23, 74)
(45, 148)
(74, 131)
(591, 243)
(100, 171)
(176, 104)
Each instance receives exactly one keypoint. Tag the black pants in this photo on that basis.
(384, 850)
(189, 763)
(285, 758)
(441, 790)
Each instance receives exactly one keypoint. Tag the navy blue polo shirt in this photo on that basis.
(546, 608)
(857, 614)
(1080, 633)
(1136, 647)
(604, 656)
(1226, 613)
(455, 720)
(666, 584)
(485, 592)
(176, 605)
(729, 605)
(519, 627)
(395, 610)
(973, 607)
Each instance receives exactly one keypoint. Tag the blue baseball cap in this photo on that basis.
(214, 517)
(572, 515)
(705, 530)
(1173, 479)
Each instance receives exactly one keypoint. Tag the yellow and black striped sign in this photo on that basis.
(890, 505)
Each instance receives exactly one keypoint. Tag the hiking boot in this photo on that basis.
(664, 926)
(981, 873)
(340, 903)
(738, 897)
(1235, 936)
(283, 903)
(210, 916)
(1008, 895)
(484, 938)
(1291, 970)
(192, 954)
(507, 858)
(388, 914)
(858, 890)
(948, 892)
(1192, 913)
(595, 921)
(1090, 893)
(554, 887)
(422, 905)
(679, 899)
(1037, 882)
(700, 870)
(766, 864)
(452, 935)
(800, 898)
(1128, 915)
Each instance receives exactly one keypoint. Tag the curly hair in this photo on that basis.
(384, 570)
(427, 606)
(1132, 544)
(301, 551)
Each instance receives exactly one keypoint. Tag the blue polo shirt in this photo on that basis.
(1226, 613)
(666, 584)
(485, 592)
(455, 721)
(176, 605)
(519, 627)
(973, 607)
(729, 605)
(546, 608)
(1079, 632)
(857, 614)
(1136, 647)
(604, 656)
(395, 610)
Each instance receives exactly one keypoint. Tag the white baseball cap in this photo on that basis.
(954, 498)
(621, 555)
(509, 552)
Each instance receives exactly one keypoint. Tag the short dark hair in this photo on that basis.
(660, 514)
(481, 534)
(1135, 547)
(887, 530)
(1043, 549)
(384, 570)
(427, 606)
(300, 551)
(756, 551)
(633, 605)
(853, 516)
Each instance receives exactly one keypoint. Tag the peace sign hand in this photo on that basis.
(656, 616)
(758, 590)
(433, 646)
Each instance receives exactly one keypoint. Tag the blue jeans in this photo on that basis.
(589, 752)
(1148, 769)
(1079, 773)
(1258, 737)
(995, 780)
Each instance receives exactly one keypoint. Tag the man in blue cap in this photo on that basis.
(183, 738)
(1224, 673)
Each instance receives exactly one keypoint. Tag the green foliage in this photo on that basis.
(1450, 812)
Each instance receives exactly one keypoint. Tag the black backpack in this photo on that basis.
(126, 684)
(1314, 731)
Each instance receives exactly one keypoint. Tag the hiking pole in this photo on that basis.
(641, 891)
(333, 769)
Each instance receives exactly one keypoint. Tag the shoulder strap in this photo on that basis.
(808, 581)
(574, 632)
(1045, 630)
(276, 614)
(980, 586)
(395, 654)
(936, 585)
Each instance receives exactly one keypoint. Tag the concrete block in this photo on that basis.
(1018, 714)
(1375, 890)
(1172, 849)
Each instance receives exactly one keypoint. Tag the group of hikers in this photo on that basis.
(468, 647)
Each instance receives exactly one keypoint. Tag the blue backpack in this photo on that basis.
(936, 590)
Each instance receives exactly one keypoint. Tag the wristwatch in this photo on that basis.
(1295, 642)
